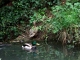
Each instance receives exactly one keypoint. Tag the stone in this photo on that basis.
(33, 31)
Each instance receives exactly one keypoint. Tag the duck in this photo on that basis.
(29, 46)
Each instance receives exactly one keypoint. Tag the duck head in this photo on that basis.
(33, 43)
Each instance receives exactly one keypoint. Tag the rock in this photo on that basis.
(33, 31)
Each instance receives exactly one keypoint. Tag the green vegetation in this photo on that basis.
(54, 17)
(17, 15)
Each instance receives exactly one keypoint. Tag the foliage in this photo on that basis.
(67, 15)
(17, 15)
(24, 11)
(73, 1)
(64, 17)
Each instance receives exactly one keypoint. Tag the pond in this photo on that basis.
(44, 52)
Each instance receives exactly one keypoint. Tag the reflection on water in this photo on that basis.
(44, 52)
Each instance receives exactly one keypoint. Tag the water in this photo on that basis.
(44, 52)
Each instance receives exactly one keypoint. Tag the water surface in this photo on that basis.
(44, 52)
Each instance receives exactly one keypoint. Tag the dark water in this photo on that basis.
(44, 52)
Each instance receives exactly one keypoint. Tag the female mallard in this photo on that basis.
(29, 47)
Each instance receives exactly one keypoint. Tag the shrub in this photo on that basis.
(18, 14)
(64, 16)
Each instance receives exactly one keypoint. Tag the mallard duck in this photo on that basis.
(29, 47)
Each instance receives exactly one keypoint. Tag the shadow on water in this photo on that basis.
(48, 51)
